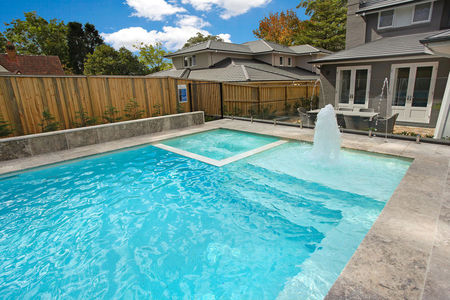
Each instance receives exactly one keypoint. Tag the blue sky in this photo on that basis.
(171, 22)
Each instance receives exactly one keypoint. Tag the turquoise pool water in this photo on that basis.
(220, 143)
(150, 224)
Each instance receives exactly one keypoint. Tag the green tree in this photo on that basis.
(81, 42)
(37, 36)
(111, 114)
(326, 28)
(201, 38)
(153, 57)
(2, 43)
(105, 60)
(280, 28)
(132, 110)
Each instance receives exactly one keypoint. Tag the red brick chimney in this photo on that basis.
(11, 51)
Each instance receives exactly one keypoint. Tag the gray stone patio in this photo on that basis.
(406, 254)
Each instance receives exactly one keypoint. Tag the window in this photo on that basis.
(405, 15)
(190, 61)
(422, 12)
(281, 60)
(289, 61)
(386, 19)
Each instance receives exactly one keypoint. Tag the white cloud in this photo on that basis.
(231, 8)
(191, 21)
(154, 10)
(173, 38)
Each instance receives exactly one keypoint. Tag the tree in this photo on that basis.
(2, 43)
(37, 36)
(81, 42)
(105, 60)
(326, 28)
(201, 38)
(153, 57)
(280, 28)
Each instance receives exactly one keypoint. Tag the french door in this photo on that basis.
(412, 90)
(352, 86)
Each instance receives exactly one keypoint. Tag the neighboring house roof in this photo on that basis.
(32, 64)
(250, 48)
(384, 47)
(366, 6)
(439, 37)
(306, 49)
(233, 69)
(3, 70)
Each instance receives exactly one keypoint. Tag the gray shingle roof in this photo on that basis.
(442, 36)
(303, 49)
(250, 48)
(373, 5)
(384, 47)
(231, 69)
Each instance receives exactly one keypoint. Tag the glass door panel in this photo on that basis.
(401, 87)
(422, 86)
(344, 94)
(360, 86)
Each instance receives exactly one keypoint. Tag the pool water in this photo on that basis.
(147, 223)
(220, 144)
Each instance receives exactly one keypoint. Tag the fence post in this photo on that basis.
(259, 99)
(221, 99)
(190, 97)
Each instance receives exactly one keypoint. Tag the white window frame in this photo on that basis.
(289, 61)
(379, 19)
(281, 60)
(412, 16)
(429, 16)
(352, 86)
(189, 61)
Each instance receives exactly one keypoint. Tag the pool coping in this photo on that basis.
(404, 254)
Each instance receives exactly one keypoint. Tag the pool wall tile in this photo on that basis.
(35, 144)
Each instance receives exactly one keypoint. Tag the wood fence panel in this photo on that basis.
(24, 98)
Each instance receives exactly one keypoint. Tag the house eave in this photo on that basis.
(372, 58)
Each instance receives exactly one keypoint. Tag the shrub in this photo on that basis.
(48, 122)
(156, 110)
(5, 127)
(132, 111)
(85, 119)
(110, 114)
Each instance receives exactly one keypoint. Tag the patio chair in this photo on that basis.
(305, 117)
(381, 124)
(345, 109)
(357, 122)
(367, 110)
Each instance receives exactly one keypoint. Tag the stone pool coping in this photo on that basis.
(405, 253)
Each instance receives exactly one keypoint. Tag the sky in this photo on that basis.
(171, 22)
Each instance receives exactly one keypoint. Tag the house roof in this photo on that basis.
(366, 6)
(384, 47)
(250, 48)
(232, 69)
(439, 37)
(32, 64)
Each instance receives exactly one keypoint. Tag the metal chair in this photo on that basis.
(345, 109)
(367, 110)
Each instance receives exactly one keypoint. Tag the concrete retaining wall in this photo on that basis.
(35, 144)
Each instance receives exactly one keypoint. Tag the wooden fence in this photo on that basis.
(23, 99)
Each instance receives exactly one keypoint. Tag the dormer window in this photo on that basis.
(405, 15)
(281, 60)
(386, 19)
(189, 61)
(289, 61)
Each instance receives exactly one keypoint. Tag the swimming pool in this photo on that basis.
(150, 223)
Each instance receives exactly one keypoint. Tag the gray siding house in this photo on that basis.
(383, 45)
(252, 61)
